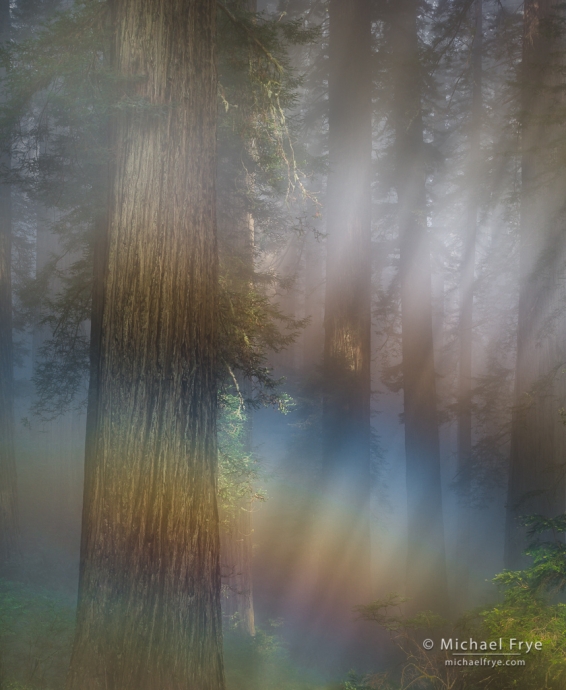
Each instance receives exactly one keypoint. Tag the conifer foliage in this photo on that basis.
(209, 207)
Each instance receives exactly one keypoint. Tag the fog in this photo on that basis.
(390, 325)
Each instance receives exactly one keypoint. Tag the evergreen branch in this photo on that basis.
(459, 20)
(250, 34)
(239, 392)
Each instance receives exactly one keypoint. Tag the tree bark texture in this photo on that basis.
(426, 562)
(8, 489)
(345, 488)
(538, 439)
(149, 594)
(464, 438)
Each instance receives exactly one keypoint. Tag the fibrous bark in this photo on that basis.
(149, 595)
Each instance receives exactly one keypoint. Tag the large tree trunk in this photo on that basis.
(466, 313)
(345, 489)
(538, 440)
(8, 492)
(426, 563)
(149, 595)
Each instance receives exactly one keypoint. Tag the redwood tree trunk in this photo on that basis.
(466, 312)
(345, 489)
(426, 563)
(149, 596)
(8, 492)
(538, 440)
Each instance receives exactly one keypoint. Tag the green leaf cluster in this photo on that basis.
(532, 609)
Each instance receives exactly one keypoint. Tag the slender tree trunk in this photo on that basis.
(149, 594)
(466, 312)
(236, 240)
(314, 306)
(345, 490)
(538, 440)
(236, 553)
(8, 490)
(236, 537)
(236, 549)
(426, 562)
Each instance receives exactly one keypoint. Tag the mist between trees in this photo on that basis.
(282, 343)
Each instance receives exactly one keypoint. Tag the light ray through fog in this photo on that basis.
(343, 357)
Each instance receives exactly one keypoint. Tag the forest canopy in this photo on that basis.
(282, 344)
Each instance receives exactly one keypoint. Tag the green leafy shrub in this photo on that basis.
(531, 611)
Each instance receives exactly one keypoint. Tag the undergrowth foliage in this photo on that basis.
(262, 662)
(531, 611)
(36, 631)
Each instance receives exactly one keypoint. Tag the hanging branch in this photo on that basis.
(250, 34)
